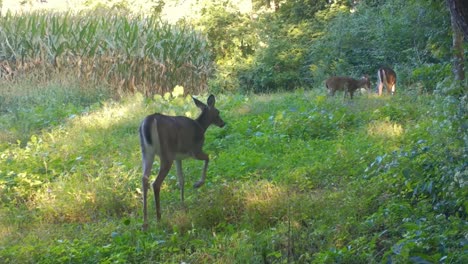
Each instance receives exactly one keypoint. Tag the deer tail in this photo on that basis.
(383, 76)
(145, 131)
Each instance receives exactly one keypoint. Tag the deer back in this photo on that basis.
(178, 137)
(175, 137)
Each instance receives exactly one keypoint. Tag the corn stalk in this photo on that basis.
(128, 53)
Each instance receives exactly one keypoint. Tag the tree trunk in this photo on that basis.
(459, 13)
(458, 52)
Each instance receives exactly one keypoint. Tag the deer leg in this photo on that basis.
(180, 176)
(147, 165)
(202, 156)
(380, 75)
(163, 171)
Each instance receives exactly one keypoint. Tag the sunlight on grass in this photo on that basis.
(5, 229)
(110, 114)
(5, 136)
(265, 201)
(263, 194)
(243, 110)
(385, 129)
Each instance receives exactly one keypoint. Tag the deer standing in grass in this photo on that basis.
(346, 84)
(174, 138)
(387, 78)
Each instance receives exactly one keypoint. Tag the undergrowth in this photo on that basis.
(293, 177)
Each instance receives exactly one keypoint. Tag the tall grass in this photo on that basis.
(137, 53)
(28, 106)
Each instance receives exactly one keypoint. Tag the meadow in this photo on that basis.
(294, 177)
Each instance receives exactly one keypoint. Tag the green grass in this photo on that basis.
(293, 177)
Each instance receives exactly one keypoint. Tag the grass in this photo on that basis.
(293, 177)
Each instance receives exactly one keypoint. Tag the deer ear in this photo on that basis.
(211, 101)
(198, 103)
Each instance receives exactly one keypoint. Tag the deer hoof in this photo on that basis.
(198, 184)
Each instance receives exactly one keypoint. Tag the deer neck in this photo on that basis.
(203, 121)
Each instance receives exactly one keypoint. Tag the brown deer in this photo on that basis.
(346, 84)
(386, 77)
(174, 138)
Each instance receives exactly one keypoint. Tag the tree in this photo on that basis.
(458, 11)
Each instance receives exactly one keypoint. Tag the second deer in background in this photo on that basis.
(346, 84)
(386, 77)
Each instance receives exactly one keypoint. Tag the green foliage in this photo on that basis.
(302, 43)
(430, 75)
(359, 42)
(275, 67)
(279, 62)
(232, 39)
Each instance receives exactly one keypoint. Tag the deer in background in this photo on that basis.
(386, 77)
(346, 84)
(174, 138)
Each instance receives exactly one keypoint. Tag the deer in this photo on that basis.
(346, 84)
(174, 138)
(386, 77)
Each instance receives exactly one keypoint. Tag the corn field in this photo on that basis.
(129, 53)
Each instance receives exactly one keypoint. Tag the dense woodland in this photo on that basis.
(296, 176)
